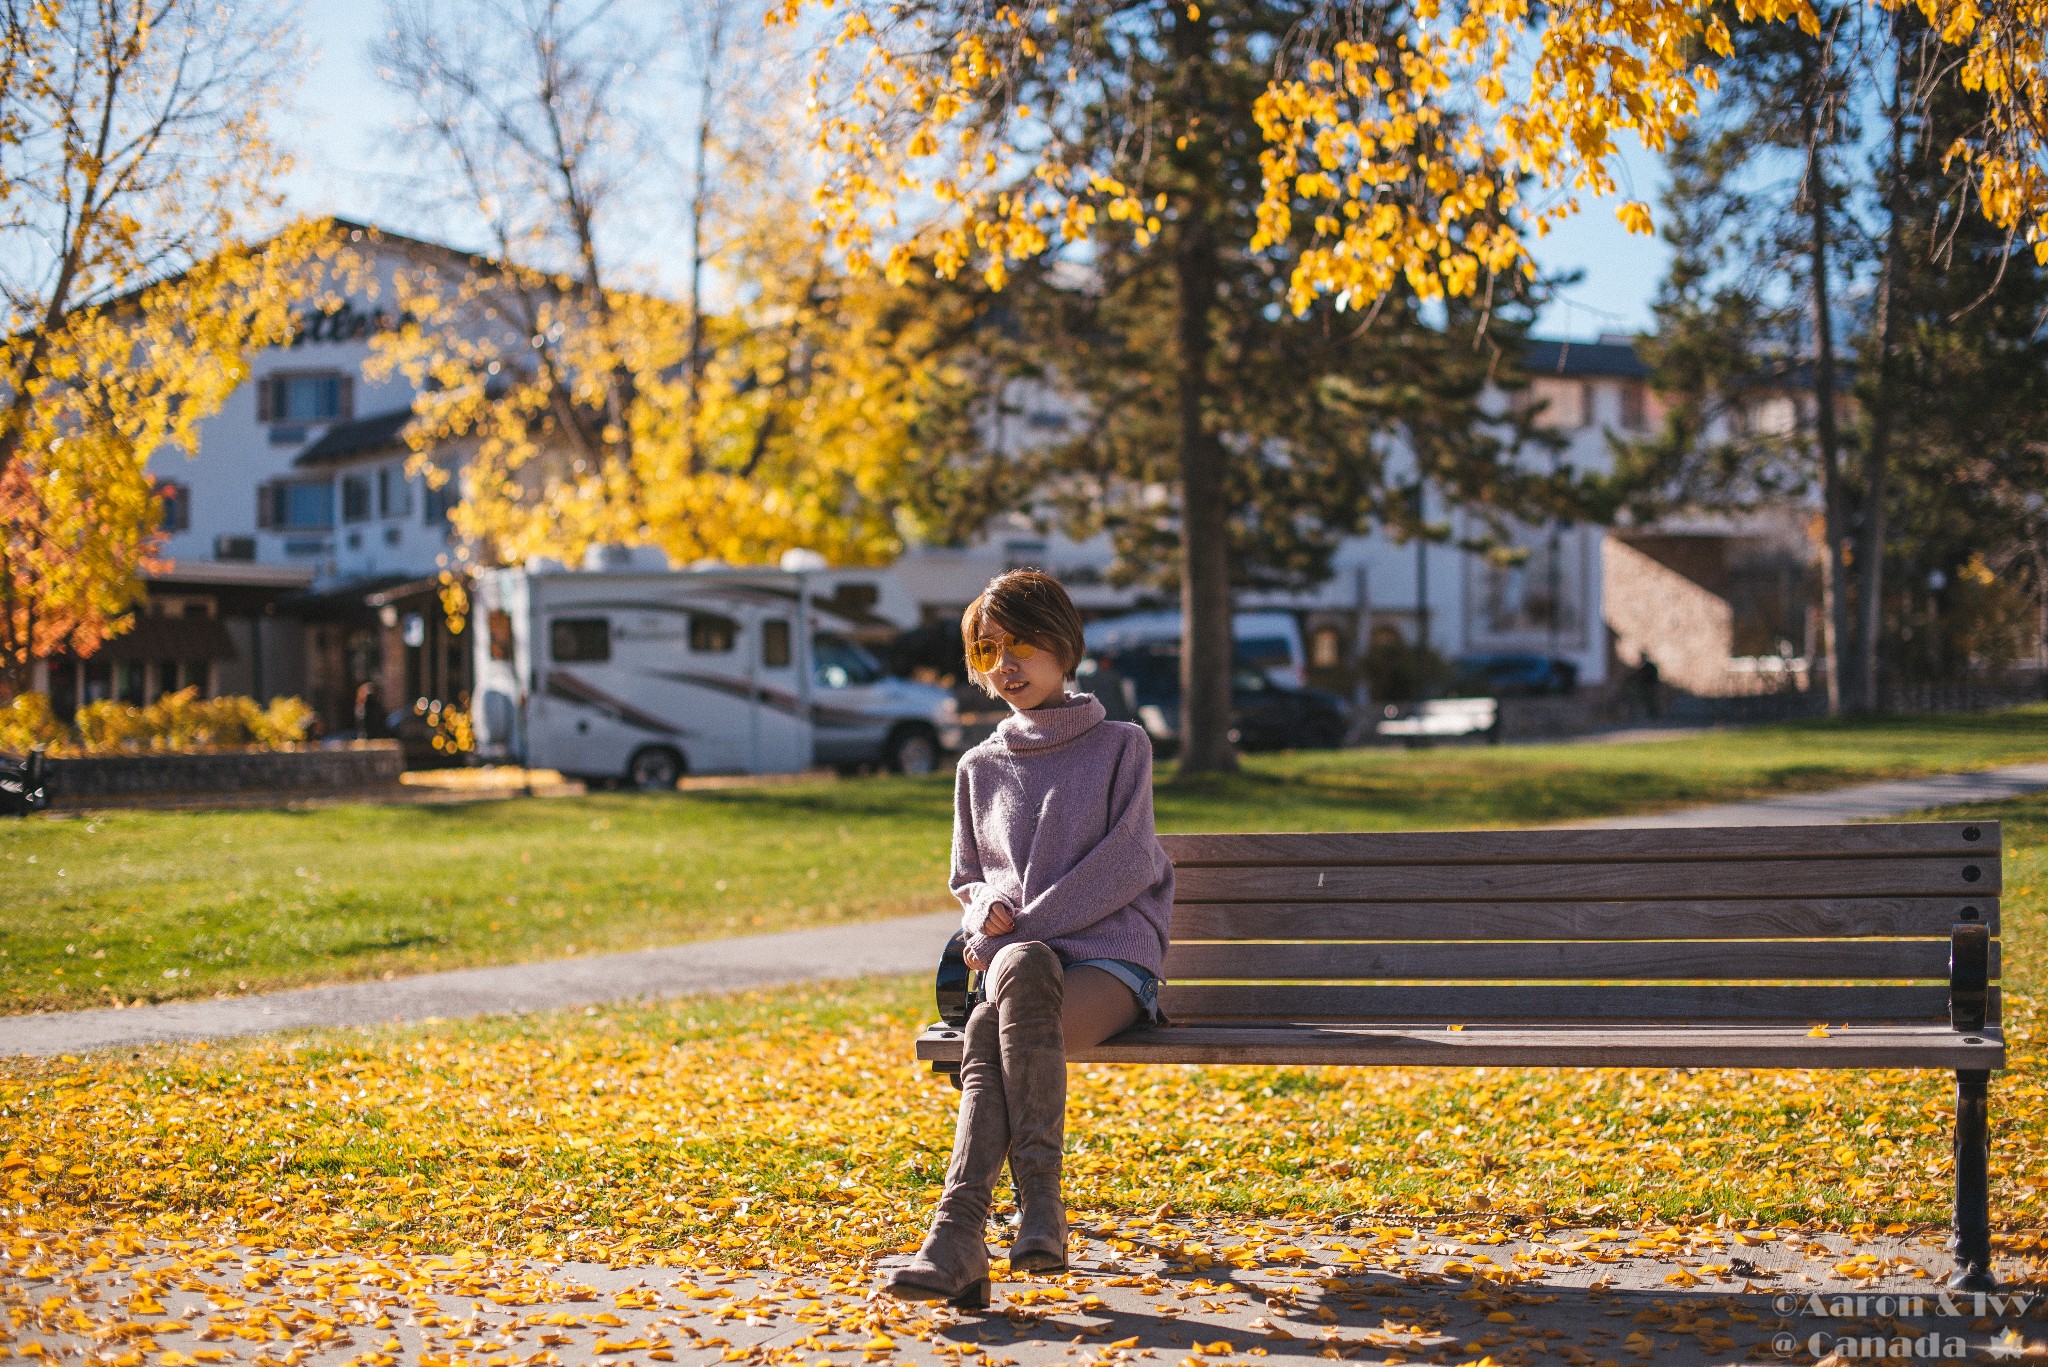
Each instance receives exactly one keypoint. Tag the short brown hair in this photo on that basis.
(1034, 608)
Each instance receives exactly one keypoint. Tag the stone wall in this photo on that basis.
(355, 767)
(1653, 609)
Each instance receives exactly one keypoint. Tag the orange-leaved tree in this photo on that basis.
(132, 158)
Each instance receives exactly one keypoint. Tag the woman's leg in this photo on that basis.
(952, 1263)
(1096, 1006)
(1027, 984)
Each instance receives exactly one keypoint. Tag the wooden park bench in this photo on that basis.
(1672, 948)
(1444, 719)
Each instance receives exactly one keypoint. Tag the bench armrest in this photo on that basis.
(1969, 975)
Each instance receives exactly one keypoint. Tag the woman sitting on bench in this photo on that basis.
(1068, 898)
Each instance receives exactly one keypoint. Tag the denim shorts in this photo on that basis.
(1142, 981)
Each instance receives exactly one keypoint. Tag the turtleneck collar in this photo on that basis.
(1042, 728)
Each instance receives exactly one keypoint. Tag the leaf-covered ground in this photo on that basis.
(150, 906)
(790, 1130)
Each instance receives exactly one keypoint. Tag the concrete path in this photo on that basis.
(909, 945)
(1864, 802)
(1384, 1292)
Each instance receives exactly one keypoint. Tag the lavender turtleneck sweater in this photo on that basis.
(1052, 816)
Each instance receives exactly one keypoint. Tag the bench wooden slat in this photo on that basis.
(1806, 917)
(1537, 1047)
(1634, 960)
(1928, 876)
(1560, 1002)
(1584, 846)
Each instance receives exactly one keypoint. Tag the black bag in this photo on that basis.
(22, 789)
(959, 992)
(958, 987)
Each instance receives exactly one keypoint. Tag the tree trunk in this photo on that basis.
(1206, 647)
(1834, 581)
(1883, 408)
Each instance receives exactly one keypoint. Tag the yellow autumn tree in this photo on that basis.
(132, 159)
(1483, 104)
(585, 401)
(1408, 151)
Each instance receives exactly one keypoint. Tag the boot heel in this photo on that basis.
(973, 1296)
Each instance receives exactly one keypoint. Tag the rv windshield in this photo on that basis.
(842, 664)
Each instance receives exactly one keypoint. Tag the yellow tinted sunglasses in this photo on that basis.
(984, 652)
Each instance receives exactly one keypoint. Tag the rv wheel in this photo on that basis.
(913, 750)
(654, 769)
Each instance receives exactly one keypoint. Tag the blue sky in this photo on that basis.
(339, 129)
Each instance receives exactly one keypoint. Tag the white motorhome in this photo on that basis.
(649, 676)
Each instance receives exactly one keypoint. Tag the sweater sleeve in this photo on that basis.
(976, 896)
(1125, 862)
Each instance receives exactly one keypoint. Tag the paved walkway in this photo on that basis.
(1864, 802)
(908, 945)
(1382, 1293)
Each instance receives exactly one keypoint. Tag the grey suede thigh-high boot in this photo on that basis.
(952, 1263)
(1027, 983)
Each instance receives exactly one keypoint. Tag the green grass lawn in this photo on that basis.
(155, 905)
(791, 1128)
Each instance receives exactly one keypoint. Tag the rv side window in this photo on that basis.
(580, 640)
(711, 634)
(500, 623)
(775, 643)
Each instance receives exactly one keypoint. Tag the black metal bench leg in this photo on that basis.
(1972, 1242)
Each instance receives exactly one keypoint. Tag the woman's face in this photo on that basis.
(1023, 684)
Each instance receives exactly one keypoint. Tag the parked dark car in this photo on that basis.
(1142, 684)
(1512, 676)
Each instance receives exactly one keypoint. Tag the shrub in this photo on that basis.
(26, 721)
(284, 722)
(176, 721)
(109, 726)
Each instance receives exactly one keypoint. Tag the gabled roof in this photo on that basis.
(364, 436)
(1610, 358)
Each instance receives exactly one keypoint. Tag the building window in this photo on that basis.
(580, 640)
(1019, 555)
(1634, 406)
(296, 505)
(437, 502)
(1589, 403)
(711, 634)
(1534, 602)
(355, 498)
(394, 491)
(177, 501)
(234, 548)
(305, 397)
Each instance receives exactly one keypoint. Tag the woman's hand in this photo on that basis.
(976, 964)
(999, 921)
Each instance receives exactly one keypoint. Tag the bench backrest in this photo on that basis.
(1799, 923)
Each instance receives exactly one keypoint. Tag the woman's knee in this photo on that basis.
(1028, 967)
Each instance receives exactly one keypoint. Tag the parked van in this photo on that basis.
(648, 676)
(1269, 642)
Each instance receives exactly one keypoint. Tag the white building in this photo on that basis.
(297, 541)
(1551, 603)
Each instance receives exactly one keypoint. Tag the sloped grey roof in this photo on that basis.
(378, 432)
